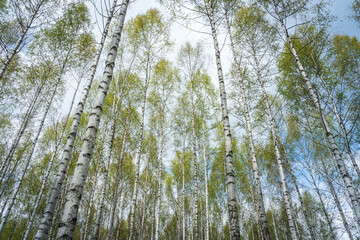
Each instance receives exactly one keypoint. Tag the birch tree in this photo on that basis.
(253, 28)
(190, 59)
(249, 131)
(47, 218)
(27, 14)
(281, 10)
(208, 10)
(148, 32)
(77, 182)
(5, 215)
(166, 80)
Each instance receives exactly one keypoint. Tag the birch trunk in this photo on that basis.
(342, 126)
(118, 178)
(60, 205)
(144, 202)
(90, 205)
(353, 193)
(257, 212)
(275, 229)
(230, 184)
(206, 189)
(158, 202)
(183, 203)
(296, 224)
(27, 162)
(137, 166)
(332, 189)
(50, 164)
(340, 122)
(48, 215)
(258, 191)
(69, 216)
(285, 190)
(336, 167)
(273, 213)
(108, 151)
(24, 31)
(4, 206)
(19, 158)
(196, 204)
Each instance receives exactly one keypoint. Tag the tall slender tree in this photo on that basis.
(281, 10)
(27, 14)
(67, 225)
(48, 215)
(148, 32)
(259, 35)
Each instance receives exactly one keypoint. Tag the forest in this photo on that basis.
(111, 127)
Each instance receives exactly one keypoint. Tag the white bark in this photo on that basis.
(336, 199)
(118, 178)
(319, 195)
(353, 192)
(342, 126)
(196, 204)
(230, 184)
(48, 215)
(9, 177)
(258, 191)
(275, 228)
(286, 194)
(107, 156)
(69, 216)
(310, 227)
(158, 200)
(332, 189)
(183, 202)
(140, 143)
(89, 207)
(206, 189)
(144, 210)
(260, 231)
(37, 202)
(60, 204)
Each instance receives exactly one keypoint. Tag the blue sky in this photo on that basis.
(343, 24)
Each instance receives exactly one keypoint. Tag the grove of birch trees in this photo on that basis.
(115, 124)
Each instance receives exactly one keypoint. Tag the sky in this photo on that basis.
(344, 25)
